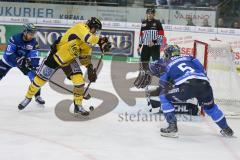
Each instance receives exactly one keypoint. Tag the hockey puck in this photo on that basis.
(91, 108)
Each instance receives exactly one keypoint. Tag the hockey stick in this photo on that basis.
(88, 96)
(96, 69)
(58, 85)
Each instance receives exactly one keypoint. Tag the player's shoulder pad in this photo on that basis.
(188, 56)
(16, 38)
(82, 27)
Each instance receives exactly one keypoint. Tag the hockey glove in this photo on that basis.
(104, 44)
(24, 64)
(92, 75)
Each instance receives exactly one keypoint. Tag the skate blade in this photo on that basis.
(227, 136)
(81, 113)
(20, 107)
(170, 135)
(40, 103)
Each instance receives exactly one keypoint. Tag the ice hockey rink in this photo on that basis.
(37, 134)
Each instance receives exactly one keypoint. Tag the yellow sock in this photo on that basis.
(35, 86)
(78, 89)
(78, 94)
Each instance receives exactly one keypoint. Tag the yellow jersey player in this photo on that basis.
(77, 42)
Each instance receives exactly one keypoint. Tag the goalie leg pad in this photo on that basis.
(143, 79)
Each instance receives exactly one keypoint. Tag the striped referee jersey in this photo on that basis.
(151, 31)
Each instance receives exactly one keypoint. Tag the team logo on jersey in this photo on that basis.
(154, 24)
(29, 47)
(47, 72)
(143, 25)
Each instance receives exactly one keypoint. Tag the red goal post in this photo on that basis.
(218, 59)
(204, 62)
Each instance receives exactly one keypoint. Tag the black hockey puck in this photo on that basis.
(91, 108)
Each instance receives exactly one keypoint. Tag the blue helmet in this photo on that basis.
(157, 67)
(29, 27)
(171, 51)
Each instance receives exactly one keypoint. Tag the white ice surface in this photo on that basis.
(37, 134)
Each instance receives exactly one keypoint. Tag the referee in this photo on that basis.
(150, 38)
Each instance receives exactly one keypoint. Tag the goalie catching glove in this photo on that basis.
(144, 78)
(92, 75)
(104, 44)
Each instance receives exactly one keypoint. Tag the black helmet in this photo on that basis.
(94, 22)
(150, 10)
(29, 27)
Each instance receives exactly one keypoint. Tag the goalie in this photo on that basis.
(77, 42)
(183, 78)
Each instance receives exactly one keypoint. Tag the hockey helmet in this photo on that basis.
(29, 27)
(94, 22)
(171, 51)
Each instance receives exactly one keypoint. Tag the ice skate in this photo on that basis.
(227, 132)
(170, 131)
(78, 109)
(39, 100)
(24, 103)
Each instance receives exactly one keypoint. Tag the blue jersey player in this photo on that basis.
(183, 78)
(21, 52)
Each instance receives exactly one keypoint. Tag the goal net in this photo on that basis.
(218, 60)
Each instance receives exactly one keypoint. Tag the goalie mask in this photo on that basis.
(171, 51)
